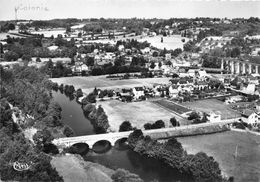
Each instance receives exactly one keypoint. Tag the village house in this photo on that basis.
(200, 85)
(138, 92)
(214, 116)
(234, 99)
(79, 67)
(174, 91)
(251, 117)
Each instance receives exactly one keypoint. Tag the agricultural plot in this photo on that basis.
(172, 106)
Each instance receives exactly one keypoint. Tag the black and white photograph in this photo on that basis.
(129, 90)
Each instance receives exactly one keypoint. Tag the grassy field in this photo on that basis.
(87, 84)
(172, 106)
(209, 105)
(222, 146)
(72, 169)
(138, 113)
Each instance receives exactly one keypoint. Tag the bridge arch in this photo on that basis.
(102, 146)
(81, 148)
(121, 143)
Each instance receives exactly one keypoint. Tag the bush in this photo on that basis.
(158, 124)
(134, 137)
(68, 131)
(122, 175)
(79, 93)
(125, 126)
(147, 126)
(193, 115)
(174, 122)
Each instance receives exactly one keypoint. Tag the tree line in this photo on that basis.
(199, 167)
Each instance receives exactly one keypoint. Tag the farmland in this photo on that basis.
(87, 84)
(172, 106)
(212, 105)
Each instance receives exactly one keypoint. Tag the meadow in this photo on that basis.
(138, 113)
(245, 166)
(212, 105)
(87, 84)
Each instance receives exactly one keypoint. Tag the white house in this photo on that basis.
(214, 117)
(249, 89)
(174, 91)
(138, 92)
(251, 117)
(146, 50)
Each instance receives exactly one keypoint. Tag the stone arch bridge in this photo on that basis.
(163, 133)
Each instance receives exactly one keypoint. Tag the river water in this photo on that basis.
(147, 169)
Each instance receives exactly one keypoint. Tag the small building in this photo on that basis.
(138, 92)
(174, 91)
(214, 116)
(251, 117)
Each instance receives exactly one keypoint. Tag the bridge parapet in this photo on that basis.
(163, 133)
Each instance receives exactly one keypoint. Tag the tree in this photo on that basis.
(152, 65)
(42, 137)
(134, 137)
(68, 29)
(193, 115)
(68, 132)
(158, 124)
(91, 98)
(204, 119)
(79, 93)
(122, 175)
(125, 126)
(155, 54)
(11, 26)
(208, 169)
(11, 56)
(147, 126)
(160, 64)
(38, 59)
(176, 52)
(174, 122)
(235, 52)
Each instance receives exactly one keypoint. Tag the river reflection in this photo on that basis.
(147, 169)
(72, 114)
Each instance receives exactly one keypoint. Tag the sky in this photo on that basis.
(50, 9)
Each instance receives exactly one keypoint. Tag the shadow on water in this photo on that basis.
(121, 144)
(148, 169)
(50, 148)
(101, 146)
(78, 148)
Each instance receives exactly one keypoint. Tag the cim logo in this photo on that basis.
(18, 166)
